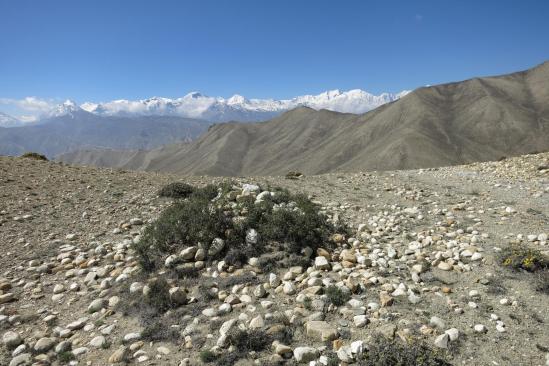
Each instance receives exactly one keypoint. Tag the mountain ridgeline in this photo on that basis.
(83, 130)
(479, 119)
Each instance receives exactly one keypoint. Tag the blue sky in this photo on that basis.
(102, 50)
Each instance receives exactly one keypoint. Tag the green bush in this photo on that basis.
(288, 220)
(207, 356)
(337, 296)
(183, 224)
(157, 330)
(65, 357)
(333, 360)
(521, 257)
(35, 156)
(251, 340)
(186, 272)
(307, 303)
(243, 343)
(228, 359)
(298, 223)
(236, 257)
(176, 190)
(384, 352)
(159, 295)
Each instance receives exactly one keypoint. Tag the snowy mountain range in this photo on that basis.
(213, 109)
(238, 108)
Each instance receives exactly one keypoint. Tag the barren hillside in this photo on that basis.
(481, 119)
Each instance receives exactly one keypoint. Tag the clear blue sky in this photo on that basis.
(102, 50)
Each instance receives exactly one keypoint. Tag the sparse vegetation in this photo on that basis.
(176, 190)
(307, 303)
(519, 257)
(99, 322)
(159, 296)
(383, 352)
(187, 272)
(333, 360)
(243, 342)
(228, 359)
(236, 257)
(251, 340)
(337, 296)
(207, 356)
(35, 156)
(157, 331)
(293, 175)
(65, 357)
(245, 278)
(291, 221)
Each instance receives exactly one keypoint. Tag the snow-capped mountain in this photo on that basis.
(8, 121)
(237, 107)
(67, 108)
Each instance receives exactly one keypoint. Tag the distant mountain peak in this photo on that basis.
(9, 121)
(68, 107)
(193, 95)
(236, 99)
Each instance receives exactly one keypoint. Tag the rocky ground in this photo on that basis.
(422, 263)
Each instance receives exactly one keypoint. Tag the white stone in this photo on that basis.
(305, 354)
(136, 287)
(251, 237)
(344, 354)
(360, 320)
(476, 256)
(480, 328)
(130, 337)
(44, 344)
(80, 351)
(274, 281)
(217, 246)
(289, 288)
(11, 339)
(171, 261)
(322, 263)
(247, 189)
(257, 322)
(226, 326)
(57, 289)
(453, 333)
(96, 305)
(163, 350)
(442, 341)
(357, 347)
(77, 324)
(98, 342)
(18, 350)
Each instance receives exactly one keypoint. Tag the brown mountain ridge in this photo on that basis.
(479, 119)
